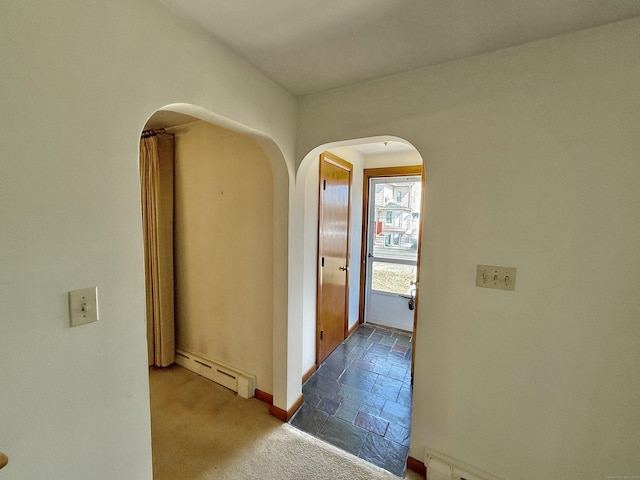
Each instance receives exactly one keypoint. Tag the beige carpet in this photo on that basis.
(203, 431)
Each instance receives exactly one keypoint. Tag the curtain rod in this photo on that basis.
(152, 132)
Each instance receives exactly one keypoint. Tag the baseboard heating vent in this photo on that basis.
(230, 377)
(442, 467)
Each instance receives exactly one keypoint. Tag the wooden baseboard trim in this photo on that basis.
(416, 466)
(311, 371)
(264, 396)
(285, 415)
(353, 329)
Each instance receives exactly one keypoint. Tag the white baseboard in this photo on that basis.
(234, 379)
(443, 467)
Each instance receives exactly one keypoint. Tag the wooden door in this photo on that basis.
(333, 254)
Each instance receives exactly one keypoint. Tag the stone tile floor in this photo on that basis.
(360, 397)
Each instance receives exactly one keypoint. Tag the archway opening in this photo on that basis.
(230, 243)
(359, 389)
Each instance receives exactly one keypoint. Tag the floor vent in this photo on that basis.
(442, 467)
(230, 377)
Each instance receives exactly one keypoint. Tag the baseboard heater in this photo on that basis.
(442, 467)
(230, 377)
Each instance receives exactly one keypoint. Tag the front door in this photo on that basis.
(333, 253)
(392, 241)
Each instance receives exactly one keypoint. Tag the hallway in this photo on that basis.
(360, 397)
(202, 431)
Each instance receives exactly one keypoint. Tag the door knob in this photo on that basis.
(3, 460)
(345, 268)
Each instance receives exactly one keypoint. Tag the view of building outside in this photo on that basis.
(396, 224)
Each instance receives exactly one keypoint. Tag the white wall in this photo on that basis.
(79, 79)
(307, 191)
(532, 161)
(396, 159)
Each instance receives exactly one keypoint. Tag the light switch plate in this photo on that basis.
(83, 306)
(491, 276)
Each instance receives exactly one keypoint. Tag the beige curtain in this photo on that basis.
(156, 178)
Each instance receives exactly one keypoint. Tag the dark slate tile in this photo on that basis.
(357, 341)
(396, 413)
(309, 419)
(311, 398)
(405, 341)
(384, 332)
(386, 454)
(397, 372)
(324, 386)
(357, 349)
(328, 405)
(376, 337)
(399, 348)
(351, 393)
(307, 390)
(398, 355)
(343, 435)
(356, 355)
(348, 410)
(381, 367)
(330, 370)
(397, 362)
(405, 396)
(376, 401)
(373, 405)
(374, 357)
(364, 331)
(401, 333)
(363, 364)
(388, 341)
(370, 409)
(398, 434)
(371, 423)
(363, 384)
(358, 378)
(386, 387)
(379, 349)
(338, 358)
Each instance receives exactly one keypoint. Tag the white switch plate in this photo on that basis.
(83, 306)
(491, 276)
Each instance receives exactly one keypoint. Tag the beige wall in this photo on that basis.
(224, 249)
(531, 158)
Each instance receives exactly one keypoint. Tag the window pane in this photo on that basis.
(397, 218)
(392, 277)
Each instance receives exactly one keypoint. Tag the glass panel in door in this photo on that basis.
(392, 250)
